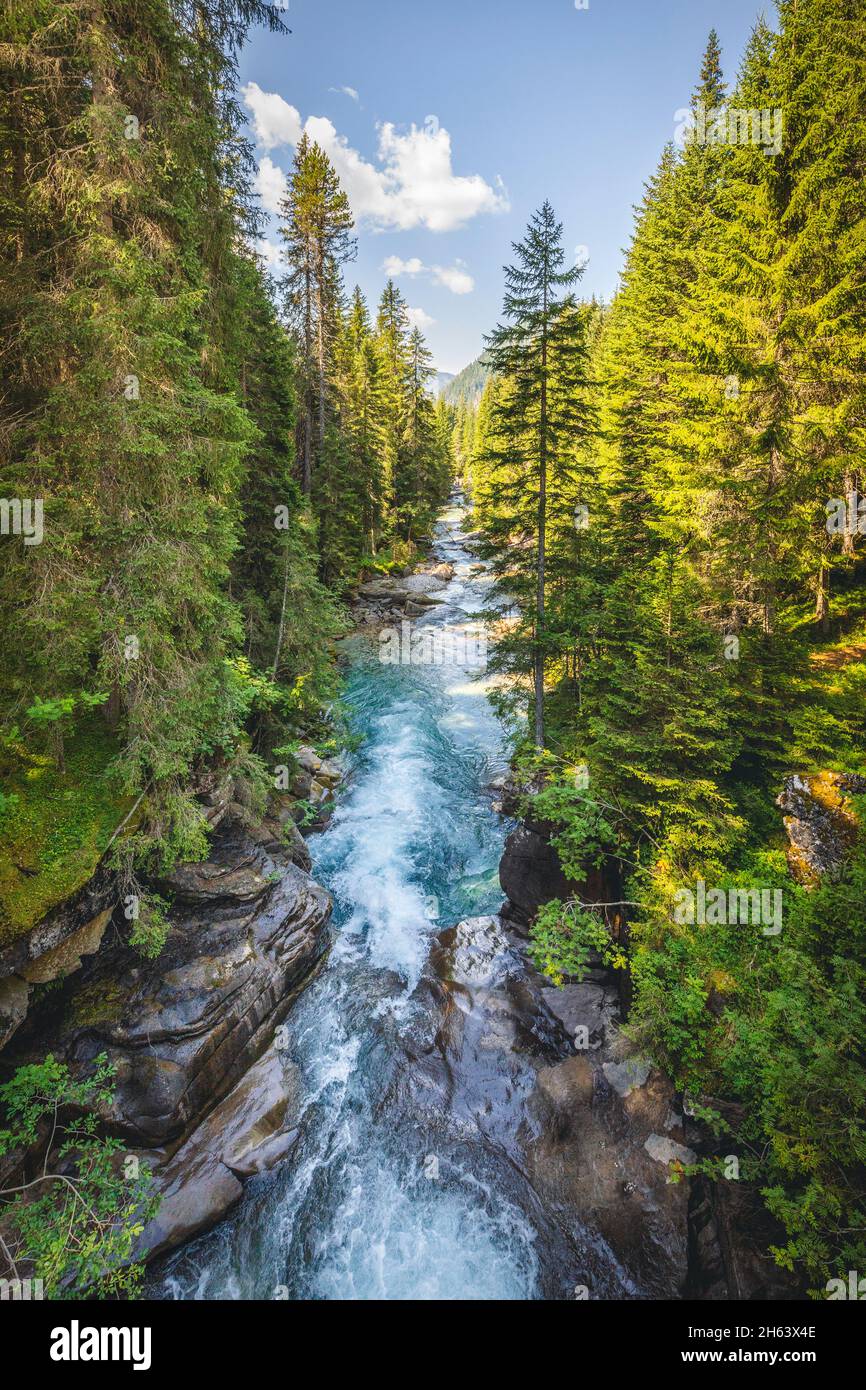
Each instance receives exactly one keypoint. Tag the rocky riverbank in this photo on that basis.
(711, 1240)
(389, 599)
(202, 1097)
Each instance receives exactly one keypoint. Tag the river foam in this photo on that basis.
(375, 1203)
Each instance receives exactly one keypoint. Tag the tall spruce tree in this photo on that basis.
(540, 354)
(317, 241)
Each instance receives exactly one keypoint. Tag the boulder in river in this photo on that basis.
(422, 584)
(530, 875)
(590, 1139)
(249, 1132)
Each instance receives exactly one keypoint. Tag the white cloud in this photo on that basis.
(454, 278)
(423, 189)
(274, 120)
(418, 318)
(270, 184)
(393, 267)
(346, 92)
(413, 183)
(269, 252)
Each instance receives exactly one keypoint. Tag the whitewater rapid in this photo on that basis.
(375, 1202)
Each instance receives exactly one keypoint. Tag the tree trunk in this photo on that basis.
(822, 605)
(282, 627)
(542, 543)
(849, 486)
(307, 423)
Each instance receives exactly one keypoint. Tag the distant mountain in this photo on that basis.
(466, 387)
(442, 382)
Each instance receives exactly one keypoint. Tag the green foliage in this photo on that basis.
(468, 385)
(55, 826)
(151, 928)
(73, 1223)
(700, 634)
(537, 417)
(214, 476)
(785, 1039)
(565, 936)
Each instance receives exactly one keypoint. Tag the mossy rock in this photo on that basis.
(98, 1003)
(56, 830)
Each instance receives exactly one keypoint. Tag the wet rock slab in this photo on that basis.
(500, 1064)
(199, 1088)
(249, 1132)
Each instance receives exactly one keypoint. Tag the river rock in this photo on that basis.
(530, 874)
(664, 1150)
(308, 759)
(248, 928)
(626, 1076)
(301, 783)
(66, 958)
(387, 590)
(215, 791)
(442, 571)
(249, 1132)
(74, 918)
(14, 994)
(499, 1065)
(218, 883)
(423, 601)
(587, 1012)
(329, 774)
(278, 832)
(420, 585)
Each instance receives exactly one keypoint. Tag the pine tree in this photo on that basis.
(392, 344)
(363, 417)
(317, 241)
(540, 353)
(120, 132)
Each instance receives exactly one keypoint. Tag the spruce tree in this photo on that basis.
(317, 239)
(540, 354)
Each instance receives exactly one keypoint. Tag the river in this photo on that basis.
(384, 1197)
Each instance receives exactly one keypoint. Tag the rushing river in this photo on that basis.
(375, 1202)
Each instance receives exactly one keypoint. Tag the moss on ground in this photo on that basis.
(56, 829)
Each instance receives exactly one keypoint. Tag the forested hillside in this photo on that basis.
(215, 454)
(668, 488)
(466, 387)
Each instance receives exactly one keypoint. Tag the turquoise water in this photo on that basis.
(414, 847)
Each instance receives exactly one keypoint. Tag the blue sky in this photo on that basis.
(451, 122)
